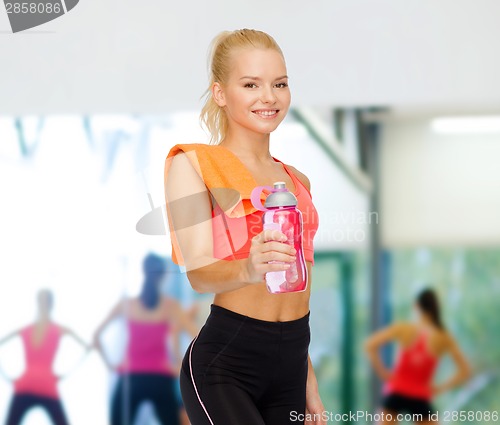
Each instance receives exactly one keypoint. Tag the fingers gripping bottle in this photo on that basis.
(281, 213)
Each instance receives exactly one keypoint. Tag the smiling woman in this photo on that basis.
(255, 73)
(249, 365)
(265, 95)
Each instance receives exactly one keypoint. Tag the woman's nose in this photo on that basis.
(268, 95)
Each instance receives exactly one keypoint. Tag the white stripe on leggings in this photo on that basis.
(194, 384)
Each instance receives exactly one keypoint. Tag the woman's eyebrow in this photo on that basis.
(259, 79)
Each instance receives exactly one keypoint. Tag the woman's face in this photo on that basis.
(256, 96)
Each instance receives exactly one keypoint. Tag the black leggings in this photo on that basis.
(245, 371)
(400, 403)
(21, 403)
(134, 388)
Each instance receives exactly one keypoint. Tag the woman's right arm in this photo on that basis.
(8, 337)
(3, 340)
(463, 372)
(373, 344)
(189, 208)
(115, 312)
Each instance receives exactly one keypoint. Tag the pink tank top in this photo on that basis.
(147, 348)
(38, 377)
(413, 372)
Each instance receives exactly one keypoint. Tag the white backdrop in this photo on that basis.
(130, 56)
(438, 189)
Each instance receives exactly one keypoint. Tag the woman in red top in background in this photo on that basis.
(249, 365)
(37, 386)
(409, 386)
(147, 373)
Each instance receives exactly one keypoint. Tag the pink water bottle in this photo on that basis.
(281, 214)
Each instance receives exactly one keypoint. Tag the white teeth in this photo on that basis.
(266, 113)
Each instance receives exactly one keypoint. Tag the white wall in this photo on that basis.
(342, 208)
(441, 190)
(130, 56)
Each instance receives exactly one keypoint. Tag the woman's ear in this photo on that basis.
(218, 94)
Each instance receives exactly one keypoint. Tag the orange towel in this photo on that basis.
(226, 178)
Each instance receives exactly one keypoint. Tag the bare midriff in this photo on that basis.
(254, 300)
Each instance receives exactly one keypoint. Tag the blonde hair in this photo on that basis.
(212, 116)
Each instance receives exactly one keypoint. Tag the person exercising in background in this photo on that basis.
(37, 386)
(147, 373)
(409, 386)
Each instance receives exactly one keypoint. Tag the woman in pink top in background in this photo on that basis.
(37, 386)
(147, 373)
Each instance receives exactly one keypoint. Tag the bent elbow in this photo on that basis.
(368, 347)
(467, 373)
(195, 283)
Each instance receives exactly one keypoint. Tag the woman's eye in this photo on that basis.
(253, 85)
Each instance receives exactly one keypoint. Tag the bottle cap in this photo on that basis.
(280, 197)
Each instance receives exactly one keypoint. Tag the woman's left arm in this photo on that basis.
(115, 312)
(9, 336)
(463, 373)
(77, 338)
(181, 318)
(3, 341)
(314, 405)
(87, 347)
(180, 321)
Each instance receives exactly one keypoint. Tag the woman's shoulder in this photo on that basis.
(187, 155)
(186, 147)
(59, 327)
(404, 327)
(23, 329)
(301, 176)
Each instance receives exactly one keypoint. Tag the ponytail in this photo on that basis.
(428, 302)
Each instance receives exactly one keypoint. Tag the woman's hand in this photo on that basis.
(384, 374)
(96, 344)
(314, 407)
(6, 377)
(268, 246)
(437, 390)
(111, 367)
(176, 368)
(377, 340)
(59, 376)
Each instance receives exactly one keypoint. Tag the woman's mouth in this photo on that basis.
(266, 113)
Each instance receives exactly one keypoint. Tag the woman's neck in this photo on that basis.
(43, 318)
(426, 322)
(248, 144)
